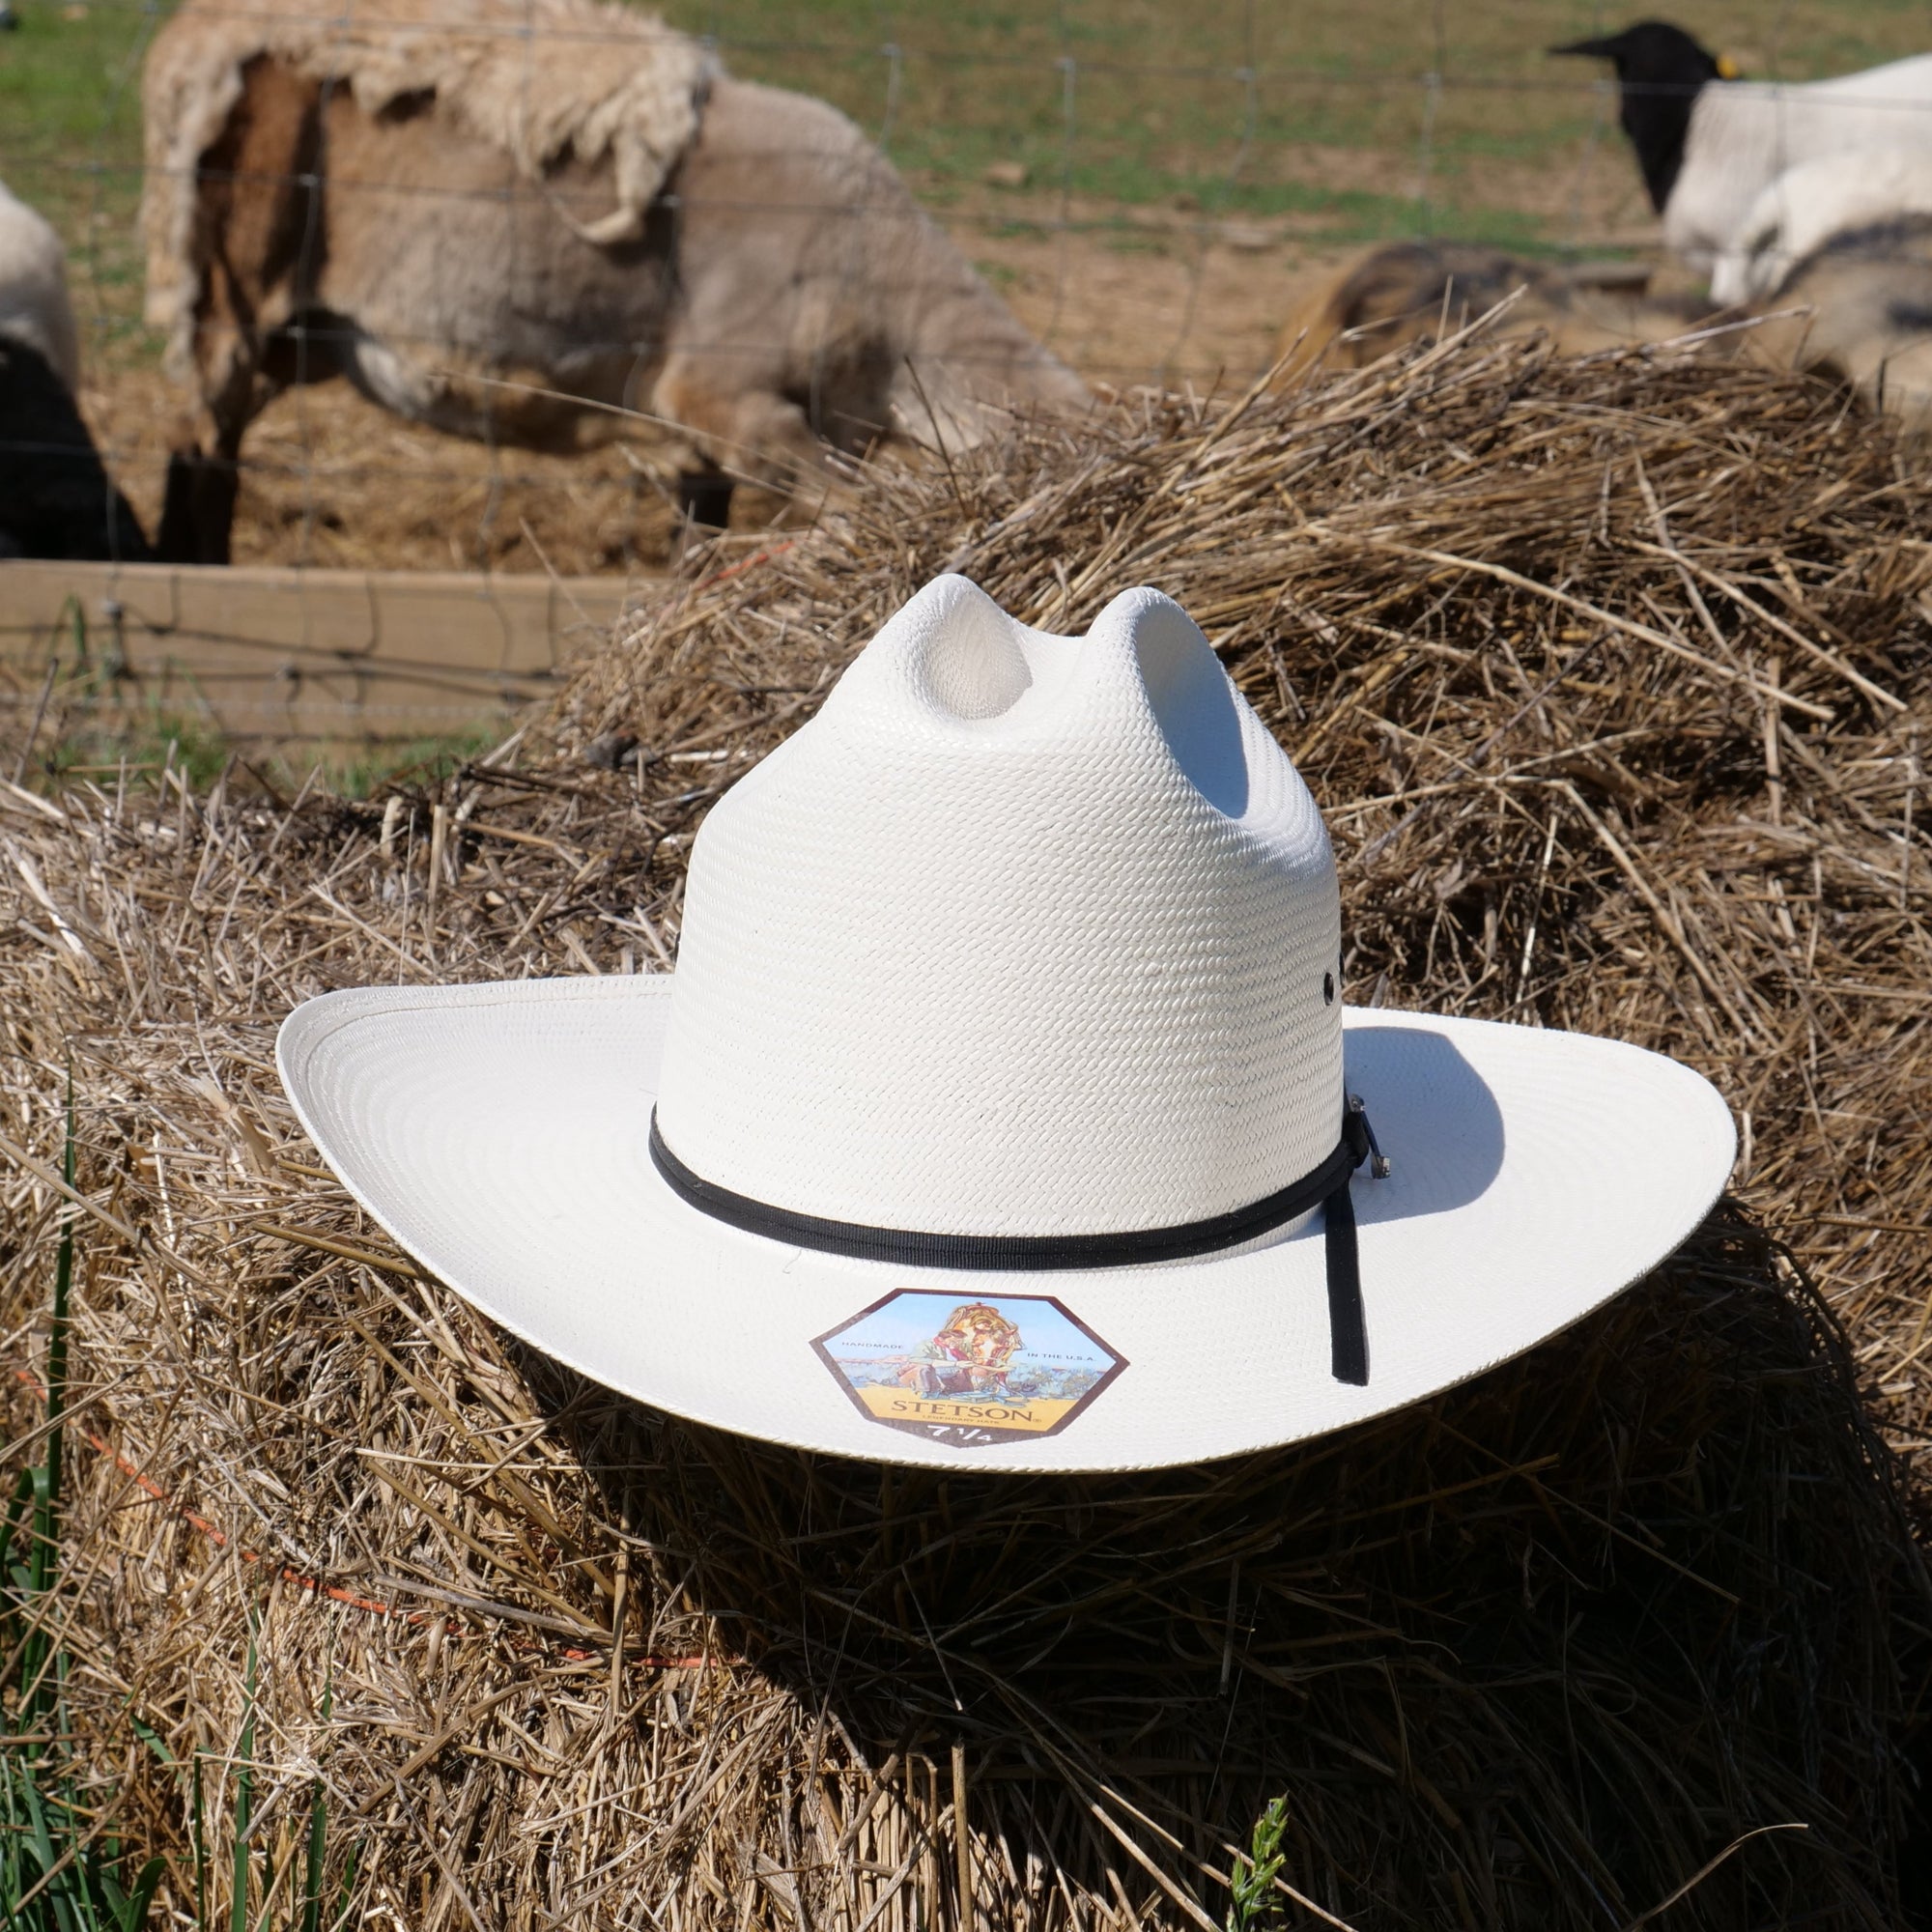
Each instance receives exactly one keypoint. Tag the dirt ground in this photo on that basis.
(329, 479)
(332, 480)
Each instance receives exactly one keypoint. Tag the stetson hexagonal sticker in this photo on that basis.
(969, 1369)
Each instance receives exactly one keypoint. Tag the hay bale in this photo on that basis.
(1605, 672)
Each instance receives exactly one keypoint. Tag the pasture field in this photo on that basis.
(1144, 181)
(1346, 122)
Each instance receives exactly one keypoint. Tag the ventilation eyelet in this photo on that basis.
(1327, 989)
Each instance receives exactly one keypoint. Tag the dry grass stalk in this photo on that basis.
(1605, 672)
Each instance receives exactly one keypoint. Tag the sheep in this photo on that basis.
(35, 308)
(1708, 152)
(1414, 291)
(1860, 307)
(1805, 205)
(523, 236)
(56, 499)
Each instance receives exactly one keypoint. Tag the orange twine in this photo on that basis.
(744, 563)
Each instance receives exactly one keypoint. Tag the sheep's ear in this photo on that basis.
(1728, 69)
(1604, 49)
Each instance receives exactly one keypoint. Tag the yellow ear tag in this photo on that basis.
(1727, 67)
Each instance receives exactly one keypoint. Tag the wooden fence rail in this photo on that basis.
(295, 659)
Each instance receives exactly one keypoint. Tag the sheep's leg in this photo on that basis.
(704, 499)
(203, 477)
(257, 195)
(752, 430)
(197, 507)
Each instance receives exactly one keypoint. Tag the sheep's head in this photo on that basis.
(1661, 70)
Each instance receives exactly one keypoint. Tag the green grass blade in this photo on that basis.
(318, 1845)
(102, 1878)
(153, 1740)
(57, 1335)
(245, 1796)
(318, 1819)
(39, 1832)
(200, 1852)
(346, 1895)
(60, 1863)
(1253, 1902)
(43, 1558)
(134, 1915)
(16, 1515)
(34, 1656)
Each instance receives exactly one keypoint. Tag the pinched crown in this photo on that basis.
(1022, 934)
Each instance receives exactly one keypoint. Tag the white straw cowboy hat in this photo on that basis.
(1003, 1110)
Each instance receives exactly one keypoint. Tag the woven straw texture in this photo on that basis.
(1021, 935)
(498, 1132)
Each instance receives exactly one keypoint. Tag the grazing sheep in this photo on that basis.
(1416, 291)
(1708, 152)
(488, 229)
(35, 308)
(1805, 205)
(56, 500)
(1860, 307)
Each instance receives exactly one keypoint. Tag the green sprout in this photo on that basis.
(1253, 1900)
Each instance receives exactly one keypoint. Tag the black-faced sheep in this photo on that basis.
(35, 307)
(1710, 144)
(56, 499)
(490, 214)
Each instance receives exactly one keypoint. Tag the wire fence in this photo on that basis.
(1145, 186)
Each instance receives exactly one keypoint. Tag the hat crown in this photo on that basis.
(1022, 934)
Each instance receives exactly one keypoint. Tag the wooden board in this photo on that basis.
(300, 657)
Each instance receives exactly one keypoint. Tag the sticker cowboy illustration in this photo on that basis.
(969, 1370)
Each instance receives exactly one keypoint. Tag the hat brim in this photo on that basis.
(498, 1133)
